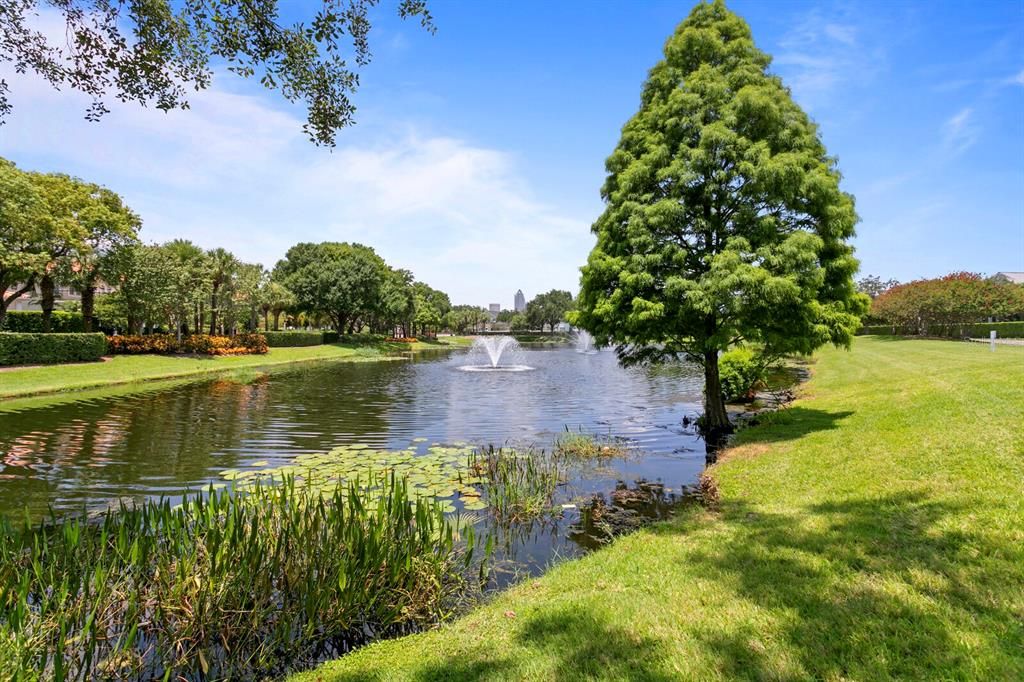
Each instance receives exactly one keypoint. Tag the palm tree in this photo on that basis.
(275, 298)
(222, 265)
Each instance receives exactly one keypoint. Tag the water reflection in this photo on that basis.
(83, 454)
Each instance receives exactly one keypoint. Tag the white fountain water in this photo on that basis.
(584, 342)
(493, 348)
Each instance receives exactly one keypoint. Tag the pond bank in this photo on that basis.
(872, 529)
(129, 369)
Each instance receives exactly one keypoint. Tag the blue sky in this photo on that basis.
(479, 153)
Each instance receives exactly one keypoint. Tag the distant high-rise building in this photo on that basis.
(494, 309)
(520, 304)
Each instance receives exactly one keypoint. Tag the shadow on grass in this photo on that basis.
(887, 587)
(873, 588)
(791, 423)
(582, 646)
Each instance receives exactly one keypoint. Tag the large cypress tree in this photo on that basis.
(725, 223)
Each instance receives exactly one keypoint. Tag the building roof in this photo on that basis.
(1013, 277)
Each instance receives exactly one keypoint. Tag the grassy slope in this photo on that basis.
(873, 530)
(121, 369)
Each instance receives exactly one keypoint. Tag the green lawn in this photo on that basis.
(123, 369)
(874, 530)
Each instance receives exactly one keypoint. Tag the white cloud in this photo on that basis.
(959, 132)
(237, 172)
(843, 33)
(827, 53)
(234, 171)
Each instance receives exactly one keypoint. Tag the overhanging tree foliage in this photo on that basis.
(725, 223)
(23, 234)
(56, 229)
(153, 52)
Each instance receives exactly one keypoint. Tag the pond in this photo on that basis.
(86, 454)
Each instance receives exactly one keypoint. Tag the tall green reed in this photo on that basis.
(518, 485)
(225, 585)
(579, 445)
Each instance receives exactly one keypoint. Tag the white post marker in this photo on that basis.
(992, 340)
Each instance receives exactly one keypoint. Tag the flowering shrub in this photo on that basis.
(196, 344)
(943, 306)
(204, 344)
(152, 343)
(255, 344)
(406, 339)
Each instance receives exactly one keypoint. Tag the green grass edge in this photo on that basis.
(120, 370)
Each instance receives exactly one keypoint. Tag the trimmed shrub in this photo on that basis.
(876, 329)
(740, 373)
(52, 348)
(331, 337)
(361, 338)
(31, 322)
(196, 344)
(296, 338)
(1004, 330)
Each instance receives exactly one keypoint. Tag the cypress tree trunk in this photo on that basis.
(46, 292)
(716, 426)
(88, 303)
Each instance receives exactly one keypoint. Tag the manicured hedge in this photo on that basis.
(301, 338)
(47, 349)
(292, 339)
(196, 344)
(1004, 330)
(31, 322)
(879, 329)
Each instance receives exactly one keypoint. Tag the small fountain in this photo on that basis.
(584, 342)
(492, 348)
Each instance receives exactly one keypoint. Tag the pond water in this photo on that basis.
(85, 454)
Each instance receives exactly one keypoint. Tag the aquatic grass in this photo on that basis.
(583, 446)
(517, 485)
(225, 585)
